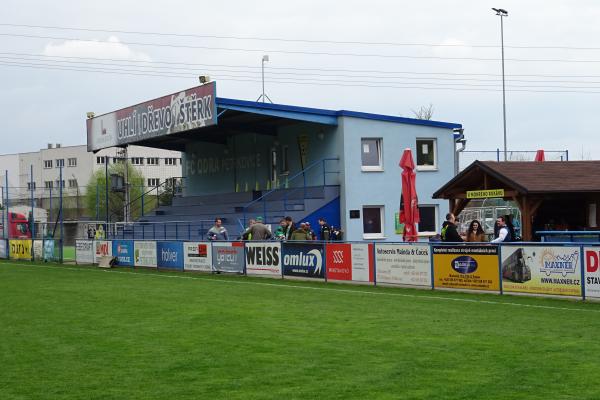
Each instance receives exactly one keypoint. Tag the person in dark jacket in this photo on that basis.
(449, 231)
(325, 230)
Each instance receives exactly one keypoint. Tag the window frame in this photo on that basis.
(72, 161)
(48, 164)
(150, 161)
(379, 148)
(49, 184)
(435, 221)
(371, 236)
(433, 167)
(60, 162)
(149, 181)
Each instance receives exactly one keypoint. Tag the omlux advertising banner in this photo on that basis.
(84, 251)
(592, 271)
(466, 267)
(542, 269)
(228, 256)
(303, 259)
(197, 256)
(349, 261)
(102, 248)
(178, 112)
(403, 264)
(263, 258)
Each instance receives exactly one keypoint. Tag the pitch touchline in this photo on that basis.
(424, 296)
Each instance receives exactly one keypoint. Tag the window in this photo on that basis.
(101, 160)
(47, 164)
(58, 183)
(170, 161)
(48, 184)
(152, 161)
(30, 185)
(137, 160)
(72, 162)
(60, 162)
(426, 154)
(153, 181)
(428, 216)
(72, 183)
(371, 154)
(373, 222)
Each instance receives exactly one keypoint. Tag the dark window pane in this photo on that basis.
(427, 223)
(370, 153)
(372, 220)
(425, 152)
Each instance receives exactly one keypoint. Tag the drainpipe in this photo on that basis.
(463, 142)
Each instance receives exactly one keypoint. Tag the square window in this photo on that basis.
(373, 222)
(72, 162)
(60, 162)
(428, 222)
(426, 154)
(47, 164)
(371, 158)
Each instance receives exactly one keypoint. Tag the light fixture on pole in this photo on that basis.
(503, 13)
(264, 96)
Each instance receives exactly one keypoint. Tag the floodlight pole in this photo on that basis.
(503, 13)
(264, 96)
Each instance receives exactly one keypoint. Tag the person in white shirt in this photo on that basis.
(503, 232)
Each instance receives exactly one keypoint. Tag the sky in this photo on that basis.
(388, 57)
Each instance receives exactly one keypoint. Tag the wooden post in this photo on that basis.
(525, 220)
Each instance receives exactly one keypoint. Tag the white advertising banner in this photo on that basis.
(102, 248)
(145, 254)
(197, 256)
(403, 264)
(592, 271)
(263, 258)
(84, 251)
(38, 250)
(3, 249)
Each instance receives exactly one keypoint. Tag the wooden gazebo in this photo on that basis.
(550, 193)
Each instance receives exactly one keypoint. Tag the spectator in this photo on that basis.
(281, 229)
(311, 233)
(475, 232)
(247, 235)
(509, 225)
(301, 233)
(291, 227)
(259, 231)
(449, 232)
(218, 231)
(503, 232)
(325, 230)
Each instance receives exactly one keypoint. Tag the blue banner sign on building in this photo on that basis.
(123, 251)
(304, 260)
(169, 255)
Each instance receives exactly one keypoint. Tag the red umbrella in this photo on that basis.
(409, 211)
(539, 156)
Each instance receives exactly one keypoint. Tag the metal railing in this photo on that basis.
(168, 230)
(468, 156)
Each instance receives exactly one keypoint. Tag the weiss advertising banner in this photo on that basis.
(403, 264)
(263, 258)
(84, 251)
(102, 248)
(592, 271)
(197, 256)
(144, 254)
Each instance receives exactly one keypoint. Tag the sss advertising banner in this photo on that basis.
(169, 255)
(304, 260)
(228, 257)
(102, 248)
(263, 258)
(541, 269)
(123, 251)
(145, 254)
(84, 251)
(349, 262)
(20, 249)
(466, 267)
(197, 256)
(403, 264)
(592, 271)
(3, 249)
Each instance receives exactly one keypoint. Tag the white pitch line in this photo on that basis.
(414, 296)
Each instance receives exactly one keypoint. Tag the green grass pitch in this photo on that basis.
(71, 332)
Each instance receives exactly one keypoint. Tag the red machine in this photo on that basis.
(18, 226)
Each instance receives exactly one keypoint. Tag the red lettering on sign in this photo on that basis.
(591, 261)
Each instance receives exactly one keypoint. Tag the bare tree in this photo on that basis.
(425, 112)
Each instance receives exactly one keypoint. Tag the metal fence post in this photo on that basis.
(498, 155)
(567, 154)
(32, 205)
(106, 187)
(97, 201)
(60, 211)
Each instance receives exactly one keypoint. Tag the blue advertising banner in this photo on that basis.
(49, 250)
(123, 251)
(304, 260)
(169, 255)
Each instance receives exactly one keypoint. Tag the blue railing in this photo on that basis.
(569, 236)
(294, 178)
(169, 230)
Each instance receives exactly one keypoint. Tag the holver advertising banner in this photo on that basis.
(145, 254)
(403, 264)
(349, 261)
(178, 112)
(197, 256)
(592, 271)
(84, 251)
(303, 260)
(170, 255)
(541, 269)
(228, 257)
(263, 258)
(466, 267)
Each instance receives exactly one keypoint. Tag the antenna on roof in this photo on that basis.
(264, 96)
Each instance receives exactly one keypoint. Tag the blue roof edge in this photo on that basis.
(343, 113)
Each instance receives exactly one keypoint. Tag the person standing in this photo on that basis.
(281, 230)
(503, 232)
(301, 233)
(218, 231)
(475, 233)
(259, 231)
(325, 230)
(449, 231)
(247, 235)
(291, 227)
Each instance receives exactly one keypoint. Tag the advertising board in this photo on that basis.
(466, 267)
(123, 251)
(38, 250)
(263, 258)
(541, 269)
(592, 271)
(20, 249)
(49, 250)
(84, 251)
(403, 264)
(102, 248)
(197, 256)
(169, 255)
(145, 254)
(228, 257)
(349, 261)
(3, 249)
(303, 260)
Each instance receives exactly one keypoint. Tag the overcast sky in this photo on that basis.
(461, 79)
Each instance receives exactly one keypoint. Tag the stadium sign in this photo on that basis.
(3, 252)
(304, 260)
(84, 251)
(178, 112)
(485, 194)
(403, 264)
(145, 254)
(263, 258)
(169, 255)
(123, 251)
(466, 267)
(592, 271)
(228, 257)
(349, 261)
(197, 256)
